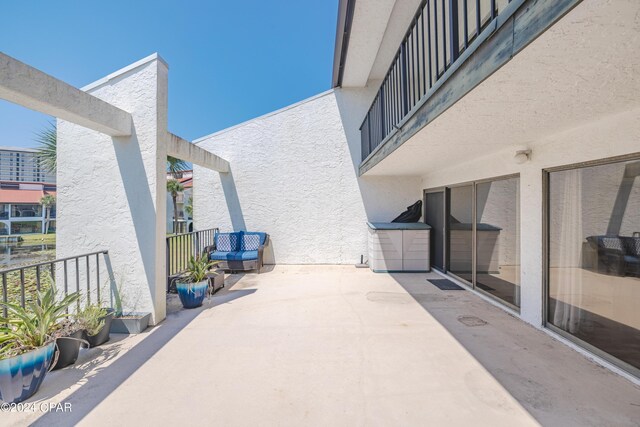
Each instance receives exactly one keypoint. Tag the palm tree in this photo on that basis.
(47, 147)
(47, 201)
(174, 187)
(188, 208)
(175, 166)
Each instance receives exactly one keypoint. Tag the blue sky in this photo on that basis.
(229, 61)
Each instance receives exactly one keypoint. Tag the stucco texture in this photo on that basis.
(293, 175)
(109, 189)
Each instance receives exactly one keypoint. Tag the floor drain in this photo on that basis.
(471, 321)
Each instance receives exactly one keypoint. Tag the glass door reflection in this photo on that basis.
(460, 227)
(498, 239)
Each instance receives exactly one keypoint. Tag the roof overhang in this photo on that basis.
(23, 196)
(368, 35)
(343, 30)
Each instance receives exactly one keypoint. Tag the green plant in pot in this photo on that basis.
(27, 343)
(69, 337)
(192, 287)
(96, 322)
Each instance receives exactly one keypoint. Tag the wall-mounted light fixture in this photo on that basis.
(522, 156)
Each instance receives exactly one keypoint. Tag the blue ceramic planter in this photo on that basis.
(192, 294)
(21, 376)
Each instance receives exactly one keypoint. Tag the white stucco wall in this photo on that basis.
(293, 175)
(111, 190)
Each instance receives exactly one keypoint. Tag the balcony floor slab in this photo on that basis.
(335, 345)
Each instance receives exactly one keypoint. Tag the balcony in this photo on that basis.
(440, 32)
(334, 345)
(450, 47)
(26, 211)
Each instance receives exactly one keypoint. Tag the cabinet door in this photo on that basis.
(385, 244)
(415, 250)
(385, 250)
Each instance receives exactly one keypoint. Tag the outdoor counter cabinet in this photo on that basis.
(396, 247)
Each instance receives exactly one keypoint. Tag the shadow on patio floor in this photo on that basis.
(99, 371)
(543, 374)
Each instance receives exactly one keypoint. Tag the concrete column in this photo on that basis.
(531, 243)
(111, 190)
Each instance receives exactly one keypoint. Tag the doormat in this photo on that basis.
(445, 285)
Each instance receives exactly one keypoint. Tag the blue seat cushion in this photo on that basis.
(251, 240)
(228, 242)
(234, 256)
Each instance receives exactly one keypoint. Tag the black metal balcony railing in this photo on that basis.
(440, 31)
(80, 273)
(181, 247)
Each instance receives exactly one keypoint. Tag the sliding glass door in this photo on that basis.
(434, 216)
(483, 229)
(498, 239)
(460, 226)
(593, 260)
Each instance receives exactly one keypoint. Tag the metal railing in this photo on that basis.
(80, 273)
(440, 31)
(181, 247)
(181, 226)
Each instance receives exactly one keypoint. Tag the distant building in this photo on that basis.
(23, 165)
(20, 208)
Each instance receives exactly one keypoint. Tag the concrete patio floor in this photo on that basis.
(335, 345)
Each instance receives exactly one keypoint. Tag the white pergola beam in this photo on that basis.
(187, 151)
(31, 88)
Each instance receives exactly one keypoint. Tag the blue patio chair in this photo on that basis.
(240, 250)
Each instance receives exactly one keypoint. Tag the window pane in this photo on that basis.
(460, 231)
(4, 211)
(498, 239)
(594, 260)
(26, 227)
(26, 211)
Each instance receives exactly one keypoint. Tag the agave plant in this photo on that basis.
(8, 342)
(91, 318)
(198, 268)
(30, 327)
